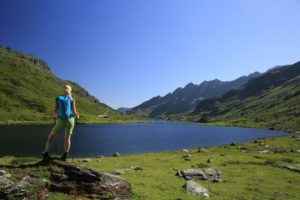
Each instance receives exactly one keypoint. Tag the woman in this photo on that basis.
(63, 114)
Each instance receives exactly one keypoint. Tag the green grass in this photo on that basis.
(246, 176)
(28, 91)
(269, 101)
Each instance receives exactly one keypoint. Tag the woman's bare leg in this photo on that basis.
(50, 140)
(67, 142)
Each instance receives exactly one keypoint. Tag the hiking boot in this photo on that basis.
(64, 156)
(46, 156)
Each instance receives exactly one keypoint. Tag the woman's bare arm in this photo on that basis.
(75, 110)
(54, 114)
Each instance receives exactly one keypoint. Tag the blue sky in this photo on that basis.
(126, 51)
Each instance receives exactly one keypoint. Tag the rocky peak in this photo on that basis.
(39, 63)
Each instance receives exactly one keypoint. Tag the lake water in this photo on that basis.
(95, 140)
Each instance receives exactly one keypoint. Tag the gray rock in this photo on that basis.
(81, 182)
(279, 149)
(2, 172)
(295, 150)
(100, 156)
(211, 174)
(194, 188)
(186, 156)
(16, 190)
(119, 171)
(185, 150)
(137, 168)
(243, 148)
(202, 150)
(86, 160)
(209, 160)
(295, 136)
(7, 175)
(117, 154)
(264, 151)
(258, 141)
(290, 167)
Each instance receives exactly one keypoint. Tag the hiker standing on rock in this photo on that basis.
(63, 115)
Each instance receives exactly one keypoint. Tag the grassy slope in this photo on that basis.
(269, 101)
(249, 175)
(28, 90)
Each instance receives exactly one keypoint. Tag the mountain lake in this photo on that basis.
(106, 139)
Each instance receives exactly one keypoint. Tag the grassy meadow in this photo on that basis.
(249, 171)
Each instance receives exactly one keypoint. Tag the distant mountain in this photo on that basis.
(186, 99)
(28, 88)
(268, 101)
(123, 109)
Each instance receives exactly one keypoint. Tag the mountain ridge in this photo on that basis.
(185, 99)
(270, 100)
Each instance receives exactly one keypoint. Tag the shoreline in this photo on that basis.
(288, 135)
(259, 161)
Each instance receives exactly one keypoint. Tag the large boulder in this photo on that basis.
(73, 180)
(211, 174)
(194, 188)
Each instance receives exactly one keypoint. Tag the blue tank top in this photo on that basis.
(64, 106)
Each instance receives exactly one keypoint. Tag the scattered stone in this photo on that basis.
(202, 150)
(185, 150)
(209, 160)
(100, 157)
(119, 171)
(7, 175)
(117, 154)
(2, 172)
(290, 167)
(137, 168)
(186, 156)
(86, 160)
(295, 136)
(211, 174)
(279, 150)
(243, 148)
(259, 140)
(295, 150)
(194, 188)
(264, 151)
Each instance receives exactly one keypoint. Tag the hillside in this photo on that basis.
(268, 101)
(186, 99)
(28, 88)
(123, 109)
